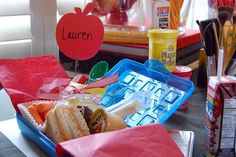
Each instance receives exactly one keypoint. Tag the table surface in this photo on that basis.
(10, 129)
(189, 120)
(7, 147)
(12, 140)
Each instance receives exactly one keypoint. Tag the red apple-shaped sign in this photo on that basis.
(79, 36)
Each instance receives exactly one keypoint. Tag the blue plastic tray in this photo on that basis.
(169, 91)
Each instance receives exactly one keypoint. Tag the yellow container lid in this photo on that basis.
(163, 33)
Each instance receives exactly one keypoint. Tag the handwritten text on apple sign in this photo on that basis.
(76, 35)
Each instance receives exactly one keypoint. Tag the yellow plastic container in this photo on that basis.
(162, 46)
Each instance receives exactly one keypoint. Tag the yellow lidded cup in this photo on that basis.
(162, 46)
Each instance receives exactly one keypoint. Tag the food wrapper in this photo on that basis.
(148, 140)
(32, 78)
(85, 99)
(220, 117)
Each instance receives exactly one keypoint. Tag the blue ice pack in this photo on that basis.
(169, 91)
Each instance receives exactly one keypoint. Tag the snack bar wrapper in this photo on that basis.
(32, 78)
(220, 117)
(149, 140)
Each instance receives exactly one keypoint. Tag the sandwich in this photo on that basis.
(65, 122)
(77, 119)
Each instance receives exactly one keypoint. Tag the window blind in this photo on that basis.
(67, 6)
(15, 28)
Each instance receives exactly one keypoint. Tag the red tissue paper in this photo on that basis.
(143, 141)
(29, 79)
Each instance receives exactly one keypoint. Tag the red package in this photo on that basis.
(143, 141)
(221, 3)
(29, 79)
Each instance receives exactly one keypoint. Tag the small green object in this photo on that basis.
(98, 71)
